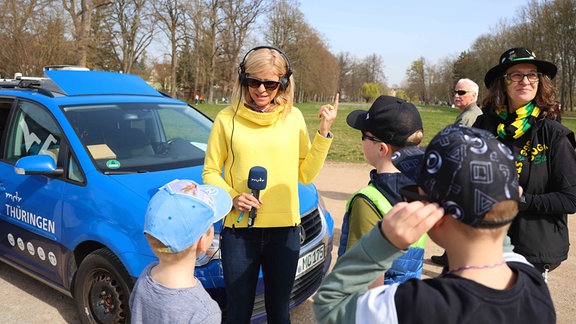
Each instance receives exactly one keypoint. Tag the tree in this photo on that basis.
(81, 14)
(375, 69)
(316, 63)
(309, 57)
(345, 62)
(355, 73)
(197, 58)
(551, 26)
(132, 29)
(32, 34)
(417, 80)
(441, 81)
(370, 91)
(171, 16)
(238, 16)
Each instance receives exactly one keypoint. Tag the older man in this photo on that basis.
(465, 96)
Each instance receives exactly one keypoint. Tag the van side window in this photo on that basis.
(5, 107)
(33, 131)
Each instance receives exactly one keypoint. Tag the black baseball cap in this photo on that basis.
(465, 170)
(390, 119)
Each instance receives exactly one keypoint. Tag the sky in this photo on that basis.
(402, 31)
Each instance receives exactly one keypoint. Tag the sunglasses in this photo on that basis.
(372, 138)
(410, 194)
(268, 84)
(462, 92)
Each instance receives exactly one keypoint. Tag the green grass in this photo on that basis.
(347, 146)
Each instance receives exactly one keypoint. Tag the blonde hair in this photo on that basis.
(264, 60)
(416, 137)
(160, 250)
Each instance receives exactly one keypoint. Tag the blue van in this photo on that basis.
(82, 153)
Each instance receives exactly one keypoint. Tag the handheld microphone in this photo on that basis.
(257, 178)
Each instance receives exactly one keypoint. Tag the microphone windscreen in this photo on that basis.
(257, 178)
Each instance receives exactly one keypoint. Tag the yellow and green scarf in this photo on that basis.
(525, 117)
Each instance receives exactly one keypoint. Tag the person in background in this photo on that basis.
(465, 97)
(179, 227)
(522, 111)
(390, 124)
(262, 128)
(466, 196)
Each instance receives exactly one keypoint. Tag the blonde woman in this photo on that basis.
(262, 128)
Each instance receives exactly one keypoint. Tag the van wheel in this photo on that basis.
(102, 289)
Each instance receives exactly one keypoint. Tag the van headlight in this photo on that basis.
(213, 253)
(322, 205)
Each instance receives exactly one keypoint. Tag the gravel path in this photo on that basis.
(28, 301)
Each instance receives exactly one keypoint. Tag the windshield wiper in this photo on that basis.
(125, 172)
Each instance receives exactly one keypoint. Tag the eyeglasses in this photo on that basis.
(533, 77)
(268, 84)
(372, 138)
(462, 92)
(410, 194)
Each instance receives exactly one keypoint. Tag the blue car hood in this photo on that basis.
(145, 185)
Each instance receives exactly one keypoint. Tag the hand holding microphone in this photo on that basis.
(257, 178)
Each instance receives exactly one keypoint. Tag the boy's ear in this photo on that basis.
(384, 149)
(205, 240)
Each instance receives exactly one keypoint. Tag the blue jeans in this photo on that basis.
(244, 251)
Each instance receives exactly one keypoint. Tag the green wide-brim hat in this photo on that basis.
(517, 56)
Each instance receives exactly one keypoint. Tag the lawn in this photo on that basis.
(347, 146)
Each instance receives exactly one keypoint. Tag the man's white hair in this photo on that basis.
(473, 86)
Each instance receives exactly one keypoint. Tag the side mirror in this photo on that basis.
(37, 165)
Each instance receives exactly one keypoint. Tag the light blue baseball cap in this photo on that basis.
(182, 211)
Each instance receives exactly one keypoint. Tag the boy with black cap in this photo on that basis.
(466, 196)
(178, 227)
(390, 124)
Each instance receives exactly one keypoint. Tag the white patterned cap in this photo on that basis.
(465, 170)
(182, 210)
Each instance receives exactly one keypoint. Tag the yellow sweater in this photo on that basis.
(280, 145)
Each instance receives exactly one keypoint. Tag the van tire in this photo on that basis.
(102, 289)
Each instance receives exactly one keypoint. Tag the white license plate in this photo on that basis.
(309, 260)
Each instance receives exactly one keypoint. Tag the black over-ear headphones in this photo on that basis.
(284, 80)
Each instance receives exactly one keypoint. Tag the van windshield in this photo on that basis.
(141, 137)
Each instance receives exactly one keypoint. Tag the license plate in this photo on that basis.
(310, 260)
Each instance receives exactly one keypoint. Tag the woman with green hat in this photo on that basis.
(522, 111)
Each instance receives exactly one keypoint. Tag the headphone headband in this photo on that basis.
(284, 80)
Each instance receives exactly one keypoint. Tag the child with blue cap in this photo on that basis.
(178, 227)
